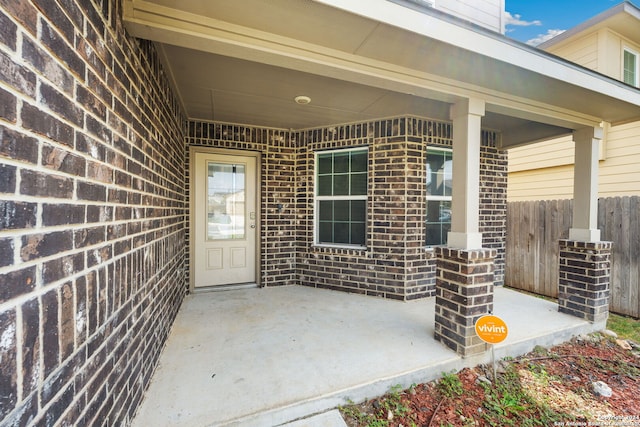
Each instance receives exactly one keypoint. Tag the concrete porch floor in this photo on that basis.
(264, 357)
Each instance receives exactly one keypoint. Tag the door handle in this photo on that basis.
(253, 226)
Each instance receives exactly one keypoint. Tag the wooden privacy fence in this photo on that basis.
(533, 231)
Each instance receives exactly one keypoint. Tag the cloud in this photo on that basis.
(541, 38)
(518, 21)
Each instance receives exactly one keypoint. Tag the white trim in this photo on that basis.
(438, 198)
(342, 197)
(193, 149)
(317, 199)
(585, 182)
(340, 150)
(637, 63)
(464, 240)
(465, 204)
(584, 235)
(485, 43)
(431, 147)
(339, 246)
(622, 8)
(432, 198)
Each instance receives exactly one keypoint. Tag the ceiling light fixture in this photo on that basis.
(302, 100)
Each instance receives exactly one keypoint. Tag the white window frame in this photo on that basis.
(429, 198)
(318, 199)
(633, 52)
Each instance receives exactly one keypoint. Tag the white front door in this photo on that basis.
(224, 219)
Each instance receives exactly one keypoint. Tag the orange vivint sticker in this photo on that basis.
(491, 329)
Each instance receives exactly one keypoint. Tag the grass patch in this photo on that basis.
(507, 403)
(382, 411)
(625, 327)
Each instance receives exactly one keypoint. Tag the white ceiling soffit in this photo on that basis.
(245, 60)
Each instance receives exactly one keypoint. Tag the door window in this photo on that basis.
(225, 201)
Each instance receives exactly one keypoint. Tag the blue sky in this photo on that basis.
(534, 21)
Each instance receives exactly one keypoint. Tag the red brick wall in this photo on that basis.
(91, 213)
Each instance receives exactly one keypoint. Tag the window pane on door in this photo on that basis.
(225, 201)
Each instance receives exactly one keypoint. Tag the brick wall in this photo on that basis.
(277, 170)
(584, 284)
(395, 263)
(493, 201)
(92, 213)
(464, 292)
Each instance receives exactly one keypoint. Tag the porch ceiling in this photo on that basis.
(244, 61)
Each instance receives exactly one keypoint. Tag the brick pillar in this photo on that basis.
(464, 292)
(585, 270)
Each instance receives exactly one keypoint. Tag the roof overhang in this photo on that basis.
(623, 18)
(244, 61)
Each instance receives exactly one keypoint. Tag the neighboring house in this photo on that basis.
(361, 135)
(609, 43)
(487, 13)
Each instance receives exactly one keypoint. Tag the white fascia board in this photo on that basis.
(167, 25)
(596, 21)
(485, 43)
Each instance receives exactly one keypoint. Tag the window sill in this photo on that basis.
(339, 247)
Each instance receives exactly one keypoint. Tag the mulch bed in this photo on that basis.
(545, 387)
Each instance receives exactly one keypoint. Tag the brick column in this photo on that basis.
(585, 270)
(464, 292)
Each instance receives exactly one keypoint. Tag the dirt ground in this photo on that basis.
(545, 387)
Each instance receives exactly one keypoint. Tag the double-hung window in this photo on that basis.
(630, 67)
(341, 197)
(439, 180)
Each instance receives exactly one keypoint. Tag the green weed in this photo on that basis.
(392, 403)
(449, 385)
(508, 404)
(625, 327)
